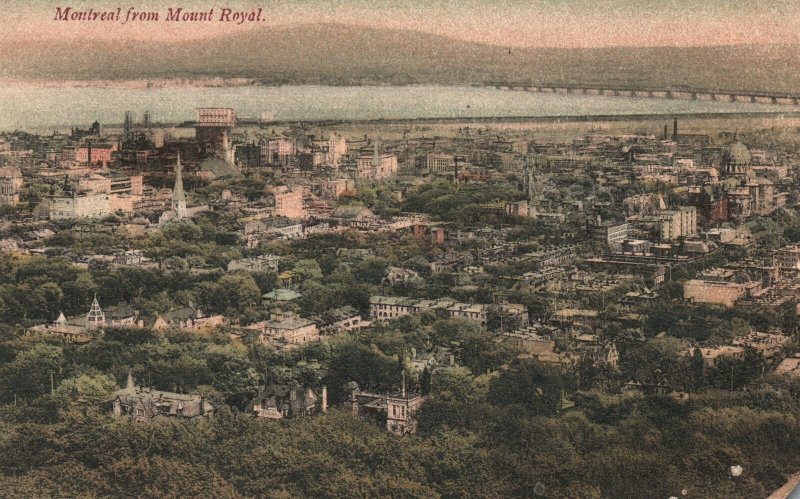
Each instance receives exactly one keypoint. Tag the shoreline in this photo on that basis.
(500, 120)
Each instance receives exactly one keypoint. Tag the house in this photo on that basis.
(390, 307)
(141, 404)
(286, 332)
(397, 410)
(75, 330)
(284, 401)
(187, 318)
(338, 320)
(399, 275)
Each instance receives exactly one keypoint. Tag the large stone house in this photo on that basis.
(141, 404)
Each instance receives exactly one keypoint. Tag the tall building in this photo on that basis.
(10, 185)
(289, 202)
(337, 147)
(277, 150)
(213, 126)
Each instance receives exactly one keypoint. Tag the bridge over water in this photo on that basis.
(676, 92)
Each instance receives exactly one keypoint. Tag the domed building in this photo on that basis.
(736, 159)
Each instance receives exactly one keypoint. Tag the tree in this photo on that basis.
(307, 269)
(698, 369)
(28, 375)
(84, 389)
(425, 381)
(529, 384)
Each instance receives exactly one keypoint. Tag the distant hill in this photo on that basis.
(349, 55)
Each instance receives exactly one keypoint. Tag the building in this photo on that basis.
(178, 209)
(675, 224)
(277, 150)
(337, 148)
(338, 320)
(10, 185)
(285, 401)
(437, 162)
(398, 410)
(391, 307)
(76, 329)
(378, 166)
(286, 333)
(98, 154)
(332, 189)
(72, 204)
(289, 203)
(713, 292)
(788, 257)
(261, 263)
(188, 318)
(213, 126)
(143, 405)
(790, 366)
(613, 232)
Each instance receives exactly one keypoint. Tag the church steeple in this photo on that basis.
(178, 195)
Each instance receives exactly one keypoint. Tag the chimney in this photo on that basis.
(666, 136)
(324, 399)
(413, 353)
(403, 392)
(675, 129)
(89, 153)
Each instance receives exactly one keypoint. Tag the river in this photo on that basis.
(37, 107)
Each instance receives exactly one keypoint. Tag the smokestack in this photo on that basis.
(675, 129)
(666, 136)
(89, 153)
(404, 385)
(324, 399)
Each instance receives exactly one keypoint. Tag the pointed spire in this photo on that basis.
(178, 194)
(95, 317)
(129, 386)
(61, 321)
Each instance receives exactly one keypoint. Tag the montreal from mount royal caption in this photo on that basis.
(122, 15)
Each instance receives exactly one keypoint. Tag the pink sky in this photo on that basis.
(552, 23)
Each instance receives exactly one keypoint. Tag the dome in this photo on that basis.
(736, 154)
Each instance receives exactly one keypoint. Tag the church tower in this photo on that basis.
(178, 195)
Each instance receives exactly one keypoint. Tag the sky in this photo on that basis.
(523, 23)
